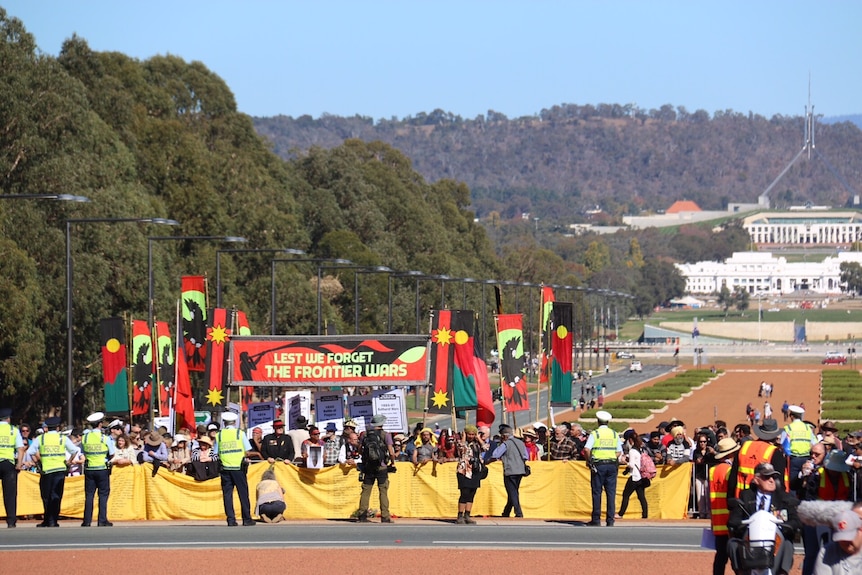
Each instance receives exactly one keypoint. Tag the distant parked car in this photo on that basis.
(834, 359)
(636, 366)
(625, 355)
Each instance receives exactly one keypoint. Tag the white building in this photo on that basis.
(812, 226)
(761, 272)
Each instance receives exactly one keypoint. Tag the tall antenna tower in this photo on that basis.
(807, 148)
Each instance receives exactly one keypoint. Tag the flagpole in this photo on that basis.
(172, 414)
(427, 390)
(154, 380)
(129, 383)
(541, 348)
(227, 364)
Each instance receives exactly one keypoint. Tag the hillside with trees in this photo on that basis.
(162, 138)
(570, 158)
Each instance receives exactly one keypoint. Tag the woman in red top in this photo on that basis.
(530, 437)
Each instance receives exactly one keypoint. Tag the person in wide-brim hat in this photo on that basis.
(767, 430)
(725, 447)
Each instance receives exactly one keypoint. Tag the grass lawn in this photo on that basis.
(633, 328)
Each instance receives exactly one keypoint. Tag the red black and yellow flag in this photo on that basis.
(471, 388)
(194, 309)
(513, 379)
(165, 372)
(215, 373)
(561, 354)
(142, 367)
(442, 361)
(114, 363)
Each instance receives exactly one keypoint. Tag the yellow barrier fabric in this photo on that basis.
(554, 490)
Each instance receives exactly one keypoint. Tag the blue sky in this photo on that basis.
(388, 59)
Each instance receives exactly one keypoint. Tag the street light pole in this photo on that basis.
(151, 289)
(371, 270)
(411, 273)
(289, 251)
(70, 372)
(272, 311)
(150, 240)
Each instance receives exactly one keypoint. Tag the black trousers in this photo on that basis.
(634, 487)
(96, 480)
(231, 479)
(9, 477)
(604, 477)
(51, 488)
(719, 562)
(512, 483)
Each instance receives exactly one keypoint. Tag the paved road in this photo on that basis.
(615, 381)
(521, 534)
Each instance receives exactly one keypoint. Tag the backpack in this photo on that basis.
(374, 448)
(647, 467)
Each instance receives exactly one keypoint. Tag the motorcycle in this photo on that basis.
(758, 549)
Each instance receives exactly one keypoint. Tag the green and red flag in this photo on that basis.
(194, 310)
(242, 328)
(114, 364)
(476, 371)
(215, 372)
(513, 380)
(545, 339)
(165, 372)
(442, 361)
(561, 354)
(142, 367)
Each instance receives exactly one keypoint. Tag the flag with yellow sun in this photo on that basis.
(561, 354)
(215, 372)
(442, 360)
(114, 363)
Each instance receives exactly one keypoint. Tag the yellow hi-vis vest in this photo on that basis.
(7, 442)
(95, 450)
(52, 451)
(230, 451)
(800, 438)
(605, 445)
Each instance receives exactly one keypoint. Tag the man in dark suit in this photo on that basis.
(765, 494)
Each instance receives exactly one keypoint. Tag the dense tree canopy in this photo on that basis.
(162, 138)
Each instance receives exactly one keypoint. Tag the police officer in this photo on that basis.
(232, 446)
(49, 451)
(97, 448)
(603, 451)
(796, 441)
(11, 460)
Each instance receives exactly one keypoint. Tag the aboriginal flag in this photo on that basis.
(470, 374)
(164, 366)
(513, 380)
(442, 360)
(142, 367)
(194, 308)
(215, 373)
(561, 354)
(114, 363)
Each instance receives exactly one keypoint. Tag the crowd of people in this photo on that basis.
(796, 467)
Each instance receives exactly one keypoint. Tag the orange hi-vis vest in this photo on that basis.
(719, 478)
(751, 454)
(829, 491)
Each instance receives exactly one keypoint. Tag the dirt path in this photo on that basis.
(726, 397)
